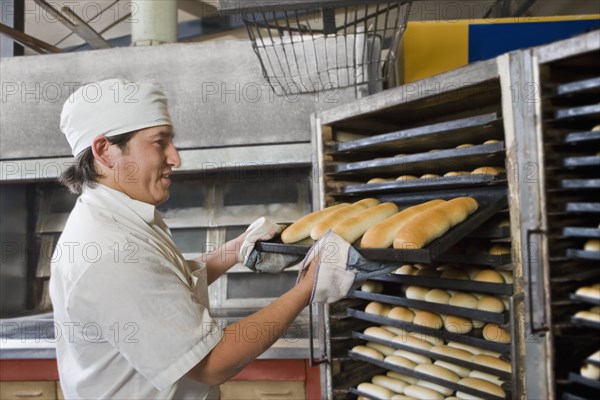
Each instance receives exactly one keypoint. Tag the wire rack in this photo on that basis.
(305, 50)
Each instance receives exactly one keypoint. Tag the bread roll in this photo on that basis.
(400, 397)
(400, 362)
(462, 146)
(429, 176)
(503, 223)
(438, 388)
(487, 171)
(456, 173)
(301, 229)
(463, 300)
(458, 325)
(406, 378)
(488, 275)
(401, 314)
(416, 293)
(376, 180)
(368, 352)
(434, 340)
(592, 245)
(406, 269)
(457, 369)
(596, 128)
(478, 324)
(590, 371)
(395, 331)
(433, 223)
(494, 333)
(492, 362)
(465, 347)
(428, 319)
(319, 229)
(381, 235)
(375, 390)
(507, 275)
(382, 348)
(379, 333)
(406, 178)
(448, 351)
(437, 296)
(491, 141)
(378, 308)
(395, 385)
(422, 393)
(490, 304)
(372, 287)
(479, 384)
(412, 341)
(354, 227)
(454, 273)
(588, 291)
(588, 315)
(486, 377)
(499, 249)
(414, 357)
(437, 371)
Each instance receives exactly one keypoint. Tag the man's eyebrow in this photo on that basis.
(166, 135)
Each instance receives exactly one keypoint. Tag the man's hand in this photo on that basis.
(261, 229)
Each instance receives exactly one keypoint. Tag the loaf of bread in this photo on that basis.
(490, 304)
(590, 371)
(378, 308)
(488, 275)
(433, 223)
(433, 386)
(354, 227)
(422, 393)
(494, 333)
(492, 362)
(381, 235)
(368, 352)
(596, 128)
(382, 348)
(430, 176)
(406, 269)
(457, 369)
(456, 173)
(491, 141)
(459, 325)
(379, 333)
(395, 385)
(588, 315)
(301, 229)
(395, 331)
(375, 390)
(592, 245)
(486, 377)
(507, 276)
(439, 296)
(434, 340)
(372, 287)
(406, 378)
(588, 291)
(465, 347)
(400, 362)
(487, 171)
(465, 300)
(437, 371)
(376, 180)
(499, 249)
(448, 351)
(428, 320)
(462, 146)
(331, 219)
(412, 341)
(402, 314)
(479, 384)
(406, 178)
(416, 293)
(414, 357)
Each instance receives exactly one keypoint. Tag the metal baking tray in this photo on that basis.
(490, 202)
(586, 86)
(449, 182)
(592, 361)
(584, 161)
(584, 322)
(569, 396)
(498, 318)
(588, 111)
(491, 232)
(448, 336)
(580, 184)
(502, 289)
(584, 299)
(572, 231)
(582, 137)
(464, 159)
(583, 254)
(467, 364)
(583, 207)
(573, 377)
(362, 394)
(444, 134)
(476, 259)
(425, 377)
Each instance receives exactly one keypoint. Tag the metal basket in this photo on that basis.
(329, 46)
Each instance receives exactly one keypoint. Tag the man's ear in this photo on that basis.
(101, 148)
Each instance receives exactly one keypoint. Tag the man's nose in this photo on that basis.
(173, 158)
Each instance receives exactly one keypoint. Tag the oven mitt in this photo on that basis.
(271, 262)
(340, 268)
(261, 229)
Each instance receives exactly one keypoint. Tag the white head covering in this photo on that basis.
(110, 108)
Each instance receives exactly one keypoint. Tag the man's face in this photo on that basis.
(142, 169)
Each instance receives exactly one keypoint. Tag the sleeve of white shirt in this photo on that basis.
(152, 318)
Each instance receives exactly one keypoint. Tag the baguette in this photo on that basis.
(377, 391)
(354, 227)
(433, 223)
(301, 229)
(319, 229)
(381, 235)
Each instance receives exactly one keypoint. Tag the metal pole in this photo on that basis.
(153, 22)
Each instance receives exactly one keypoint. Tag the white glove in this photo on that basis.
(261, 229)
(333, 279)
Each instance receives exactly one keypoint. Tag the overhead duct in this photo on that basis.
(153, 22)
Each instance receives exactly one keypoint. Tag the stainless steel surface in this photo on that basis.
(580, 44)
(217, 96)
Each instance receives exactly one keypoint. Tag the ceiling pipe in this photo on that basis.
(153, 22)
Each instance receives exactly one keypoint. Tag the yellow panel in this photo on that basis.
(433, 48)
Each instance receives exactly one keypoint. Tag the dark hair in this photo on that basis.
(84, 172)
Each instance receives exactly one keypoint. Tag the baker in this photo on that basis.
(132, 315)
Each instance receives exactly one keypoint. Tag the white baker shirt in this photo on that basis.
(131, 314)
